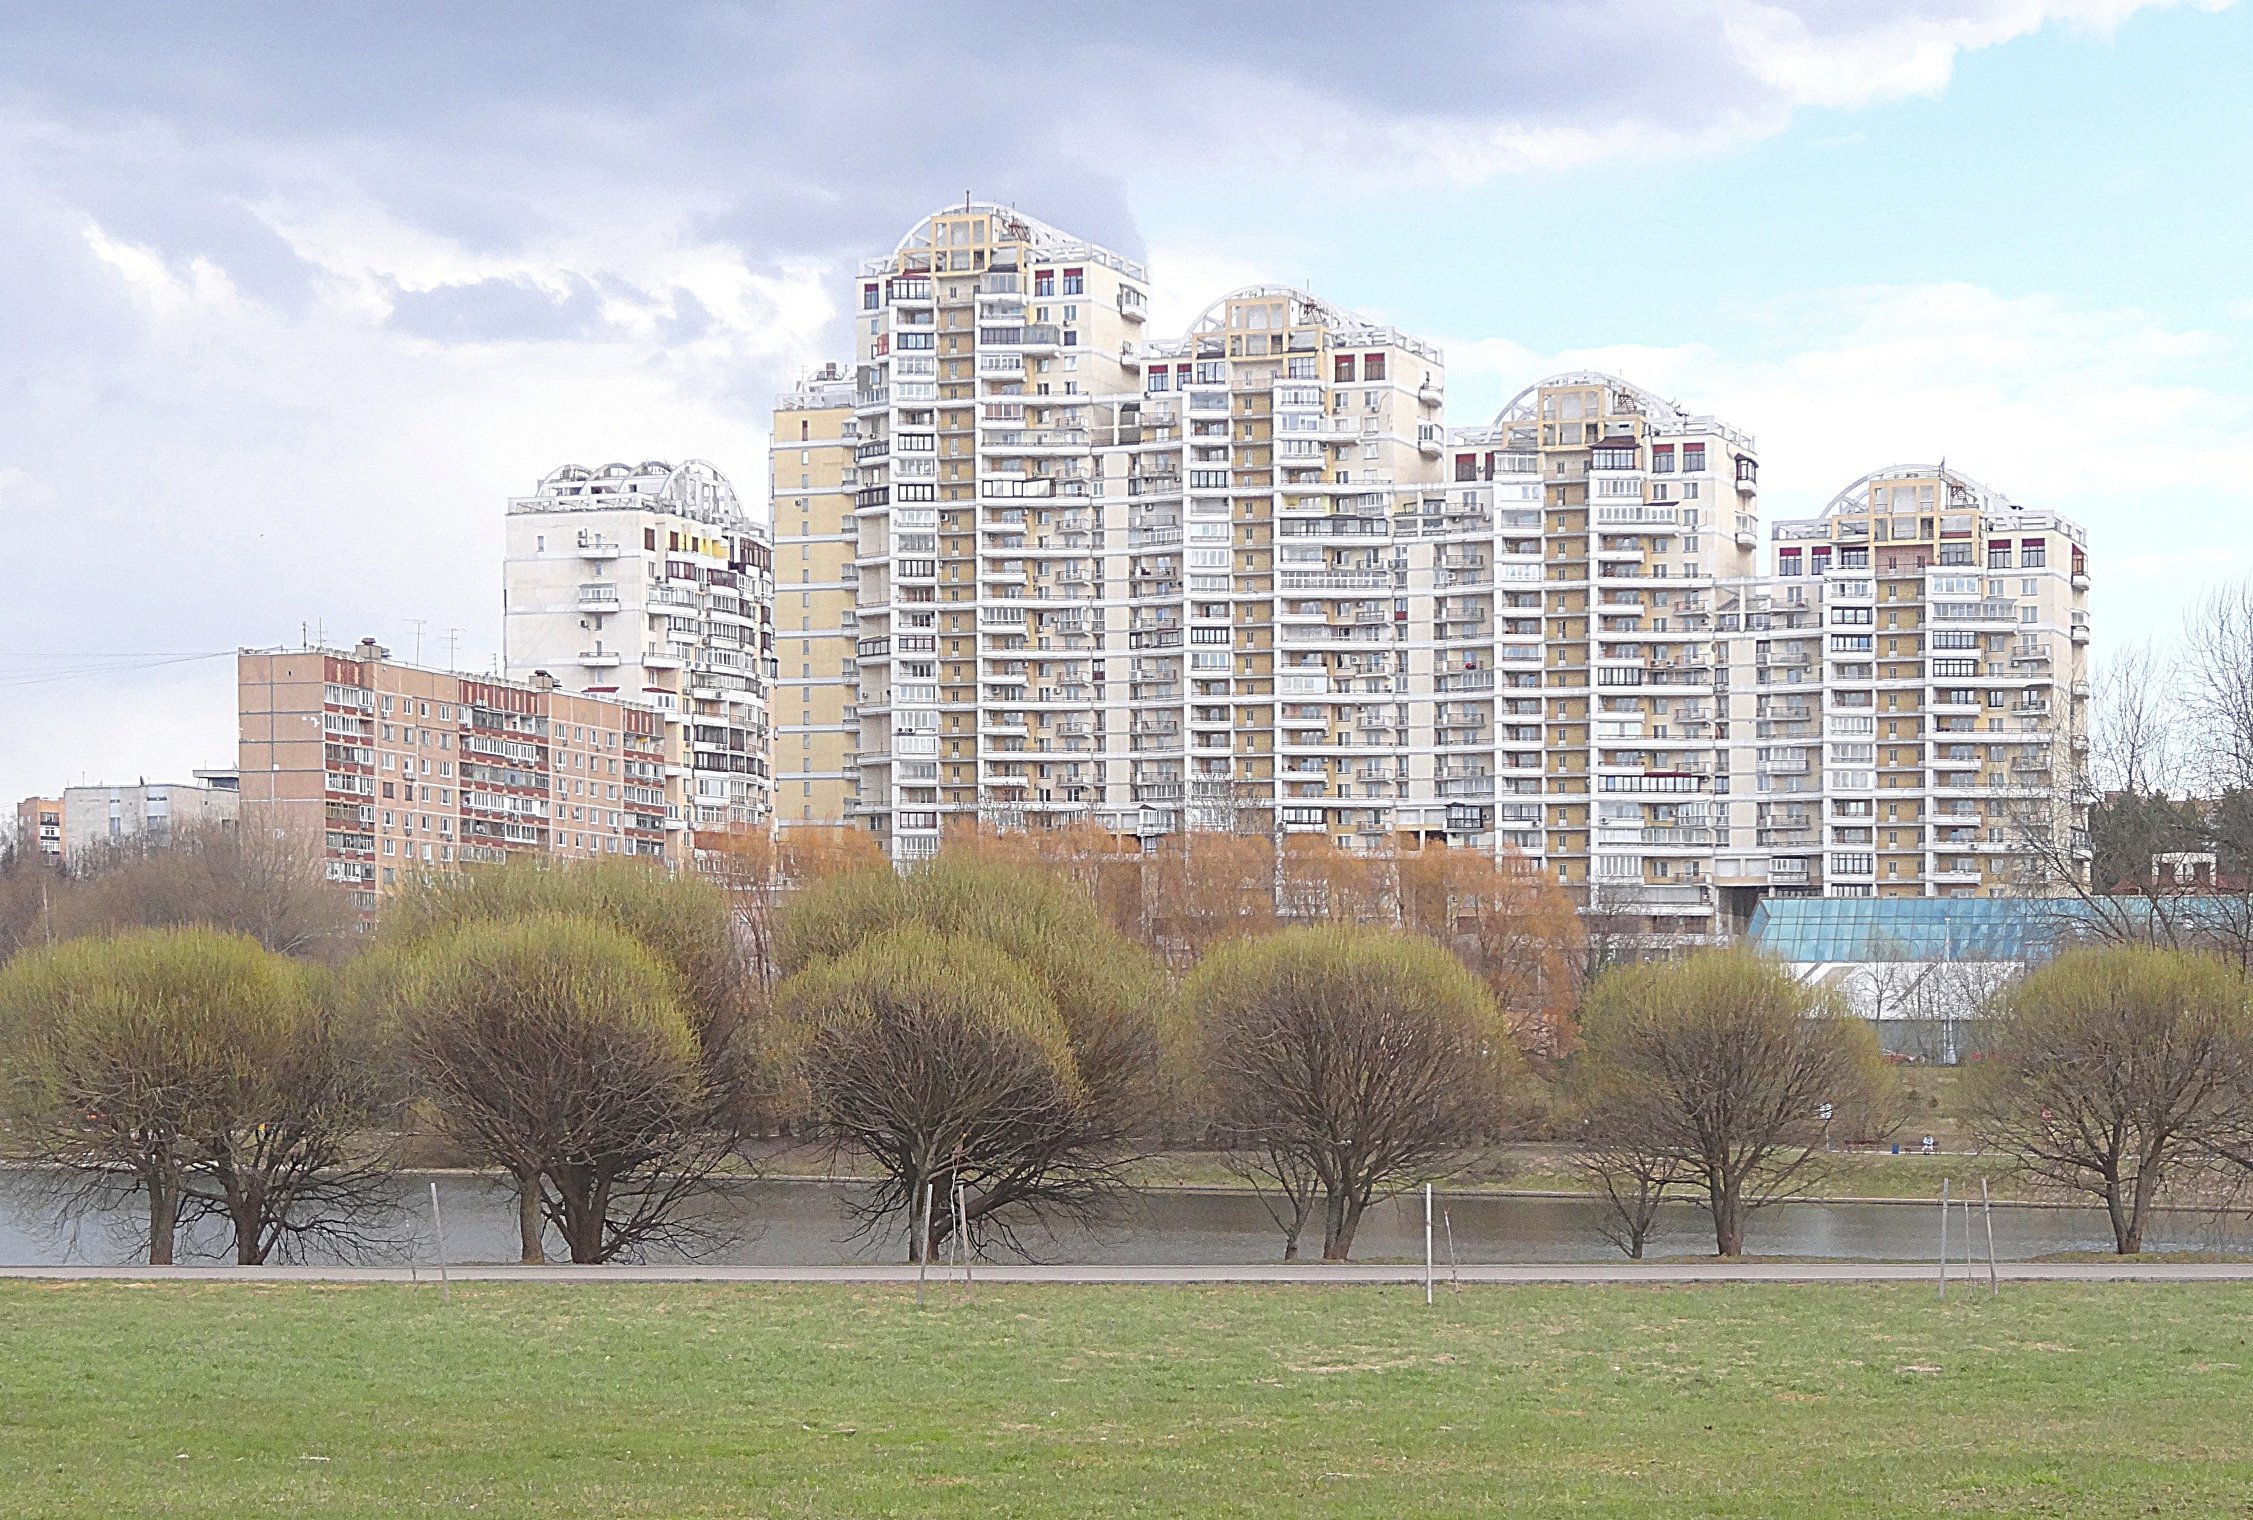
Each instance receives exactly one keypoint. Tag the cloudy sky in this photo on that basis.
(292, 297)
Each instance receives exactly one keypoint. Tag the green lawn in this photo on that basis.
(246, 1400)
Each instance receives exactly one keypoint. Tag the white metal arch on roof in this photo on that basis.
(694, 487)
(1521, 407)
(1855, 497)
(1031, 228)
(1214, 317)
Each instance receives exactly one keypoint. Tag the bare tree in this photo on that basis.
(1722, 1061)
(1016, 1156)
(1513, 925)
(1634, 1178)
(28, 884)
(270, 887)
(1364, 1058)
(2217, 686)
(1204, 888)
(2110, 1071)
(761, 869)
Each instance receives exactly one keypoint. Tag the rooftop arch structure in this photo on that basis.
(1964, 493)
(695, 488)
(1523, 406)
(1046, 240)
(1306, 310)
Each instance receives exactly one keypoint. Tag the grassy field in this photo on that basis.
(518, 1400)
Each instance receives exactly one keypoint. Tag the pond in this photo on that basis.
(781, 1222)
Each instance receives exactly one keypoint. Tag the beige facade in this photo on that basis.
(814, 477)
(1246, 578)
(1610, 517)
(1920, 658)
(994, 373)
(399, 771)
(1275, 667)
(39, 827)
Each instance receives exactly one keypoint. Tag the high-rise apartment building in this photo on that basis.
(1607, 518)
(1918, 666)
(400, 771)
(814, 480)
(1037, 567)
(994, 377)
(1273, 662)
(648, 583)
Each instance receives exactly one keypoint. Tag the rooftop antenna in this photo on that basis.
(453, 647)
(416, 624)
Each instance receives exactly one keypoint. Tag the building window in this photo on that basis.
(1075, 282)
(1342, 369)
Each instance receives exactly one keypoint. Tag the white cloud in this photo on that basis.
(169, 296)
(2106, 415)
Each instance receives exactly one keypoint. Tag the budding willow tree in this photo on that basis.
(213, 1074)
(2112, 1071)
(1717, 1067)
(562, 1050)
(967, 1025)
(457, 964)
(1346, 1064)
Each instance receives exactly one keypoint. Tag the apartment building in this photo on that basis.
(994, 378)
(1918, 668)
(84, 820)
(648, 584)
(1043, 568)
(1277, 678)
(813, 481)
(39, 827)
(1578, 683)
(401, 771)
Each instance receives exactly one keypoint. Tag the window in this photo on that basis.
(868, 298)
(1342, 369)
(2032, 554)
(1373, 367)
(1998, 554)
(1693, 458)
(1044, 282)
(1075, 282)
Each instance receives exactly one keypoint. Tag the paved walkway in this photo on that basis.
(1309, 1272)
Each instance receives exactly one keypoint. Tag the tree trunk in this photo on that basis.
(2127, 1231)
(1728, 1220)
(2147, 1184)
(164, 1220)
(530, 1227)
(1341, 1216)
(243, 1214)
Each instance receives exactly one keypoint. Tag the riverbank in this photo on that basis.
(234, 1400)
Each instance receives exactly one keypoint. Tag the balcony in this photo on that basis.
(599, 659)
(598, 599)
